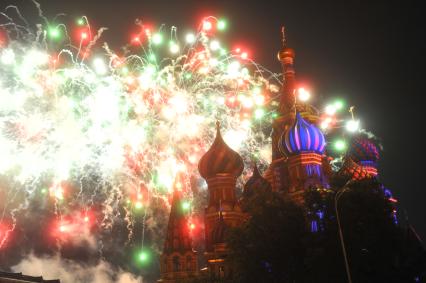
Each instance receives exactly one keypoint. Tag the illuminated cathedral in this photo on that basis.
(299, 161)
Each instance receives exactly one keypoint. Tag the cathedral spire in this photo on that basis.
(178, 237)
(178, 260)
(287, 99)
(286, 56)
(283, 40)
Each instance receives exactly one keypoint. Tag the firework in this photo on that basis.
(96, 137)
(86, 126)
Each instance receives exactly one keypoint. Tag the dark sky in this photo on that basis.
(370, 52)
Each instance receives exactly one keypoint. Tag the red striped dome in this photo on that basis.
(220, 159)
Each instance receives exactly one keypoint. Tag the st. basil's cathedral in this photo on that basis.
(299, 161)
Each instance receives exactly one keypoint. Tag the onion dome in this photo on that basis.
(302, 137)
(255, 182)
(285, 54)
(219, 230)
(362, 150)
(220, 159)
(353, 171)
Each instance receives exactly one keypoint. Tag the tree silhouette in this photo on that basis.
(286, 242)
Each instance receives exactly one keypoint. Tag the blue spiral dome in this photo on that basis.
(302, 137)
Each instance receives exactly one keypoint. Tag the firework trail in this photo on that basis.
(96, 137)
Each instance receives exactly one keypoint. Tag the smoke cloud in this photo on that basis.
(68, 271)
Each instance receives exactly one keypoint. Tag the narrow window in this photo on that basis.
(176, 263)
(189, 263)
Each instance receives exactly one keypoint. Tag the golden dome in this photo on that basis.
(286, 53)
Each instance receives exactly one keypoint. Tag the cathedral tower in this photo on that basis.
(287, 101)
(178, 261)
(281, 173)
(304, 144)
(220, 167)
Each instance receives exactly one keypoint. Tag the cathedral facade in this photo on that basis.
(299, 161)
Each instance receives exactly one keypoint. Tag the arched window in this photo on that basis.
(176, 263)
(189, 263)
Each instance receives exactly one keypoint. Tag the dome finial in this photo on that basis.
(283, 36)
(218, 125)
(351, 110)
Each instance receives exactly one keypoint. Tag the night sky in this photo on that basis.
(371, 54)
